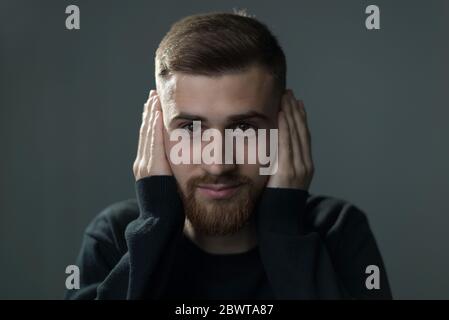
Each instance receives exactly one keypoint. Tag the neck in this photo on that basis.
(242, 241)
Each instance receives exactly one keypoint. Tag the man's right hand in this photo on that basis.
(151, 159)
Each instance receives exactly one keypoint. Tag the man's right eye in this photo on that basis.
(187, 126)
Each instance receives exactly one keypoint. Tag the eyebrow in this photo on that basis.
(187, 116)
(233, 118)
(248, 115)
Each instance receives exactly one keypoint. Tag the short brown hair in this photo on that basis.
(217, 43)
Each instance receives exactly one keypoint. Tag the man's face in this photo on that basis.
(219, 198)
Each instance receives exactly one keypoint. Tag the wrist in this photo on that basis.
(158, 196)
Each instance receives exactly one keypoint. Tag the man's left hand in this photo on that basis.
(295, 165)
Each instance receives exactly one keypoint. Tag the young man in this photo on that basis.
(223, 230)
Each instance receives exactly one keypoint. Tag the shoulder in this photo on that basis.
(351, 245)
(110, 224)
(334, 218)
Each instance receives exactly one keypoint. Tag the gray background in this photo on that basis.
(71, 104)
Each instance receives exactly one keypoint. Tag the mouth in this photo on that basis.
(218, 191)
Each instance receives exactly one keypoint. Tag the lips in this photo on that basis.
(218, 191)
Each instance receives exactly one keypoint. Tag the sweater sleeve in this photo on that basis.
(150, 244)
(316, 263)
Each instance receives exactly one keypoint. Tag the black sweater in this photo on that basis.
(309, 247)
(196, 274)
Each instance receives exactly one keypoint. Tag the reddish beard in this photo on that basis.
(219, 216)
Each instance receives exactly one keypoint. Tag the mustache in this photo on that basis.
(223, 179)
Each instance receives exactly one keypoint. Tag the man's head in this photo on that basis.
(228, 71)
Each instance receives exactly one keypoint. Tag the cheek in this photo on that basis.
(181, 172)
(182, 175)
(183, 148)
(168, 146)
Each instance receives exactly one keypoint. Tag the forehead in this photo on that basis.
(218, 97)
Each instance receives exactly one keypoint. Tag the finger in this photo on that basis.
(289, 128)
(148, 131)
(157, 134)
(144, 124)
(297, 153)
(159, 164)
(152, 94)
(157, 104)
(283, 142)
(143, 130)
(304, 133)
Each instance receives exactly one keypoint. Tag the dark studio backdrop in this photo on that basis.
(71, 104)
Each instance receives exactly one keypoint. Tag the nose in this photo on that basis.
(219, 169)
